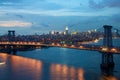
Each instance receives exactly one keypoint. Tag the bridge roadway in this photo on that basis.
(113, 50)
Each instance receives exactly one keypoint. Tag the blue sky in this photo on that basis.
(38, 16)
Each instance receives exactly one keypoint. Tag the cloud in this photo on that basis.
(46, 6)
(17, 1)
(15, 24)
(30, 4)
(104, 3)
(13, 1)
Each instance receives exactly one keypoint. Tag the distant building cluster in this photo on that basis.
(60, 33)
(57, 37)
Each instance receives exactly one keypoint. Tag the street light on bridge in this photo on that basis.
(114, 49)
(53, 44)
(73, 46)
(104, 49)
(65, 45)
(58, 44)
(81, 47)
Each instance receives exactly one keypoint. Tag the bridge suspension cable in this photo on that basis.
(116, 31)
(100, 29)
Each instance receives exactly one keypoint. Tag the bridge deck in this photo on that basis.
(91, 48)
(112, 50)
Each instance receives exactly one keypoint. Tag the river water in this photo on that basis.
(56, 64)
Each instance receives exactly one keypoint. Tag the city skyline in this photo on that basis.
(43, 16)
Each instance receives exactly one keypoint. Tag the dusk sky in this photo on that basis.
(41, 16)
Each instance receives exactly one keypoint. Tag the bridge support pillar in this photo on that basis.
(107, 58)
(107, 72)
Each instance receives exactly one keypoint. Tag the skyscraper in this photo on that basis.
(66, 30)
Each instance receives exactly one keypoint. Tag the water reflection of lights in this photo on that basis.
(108, 78)
(1, 63)
(2, 60)
(23, 67)
(63, 72)
(81, 74)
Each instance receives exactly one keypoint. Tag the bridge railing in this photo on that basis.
(22, 43)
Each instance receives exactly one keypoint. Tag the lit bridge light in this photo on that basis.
(104, 49)
(53, 44)
(96, 40)
(65, 45)
(81, 47)
(114, 49)
(58, 44)
(38, 43)
(72, 46)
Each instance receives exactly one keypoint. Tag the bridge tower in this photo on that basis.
(11, 38)
(107, 41)
(11, 35)
(107, 58)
